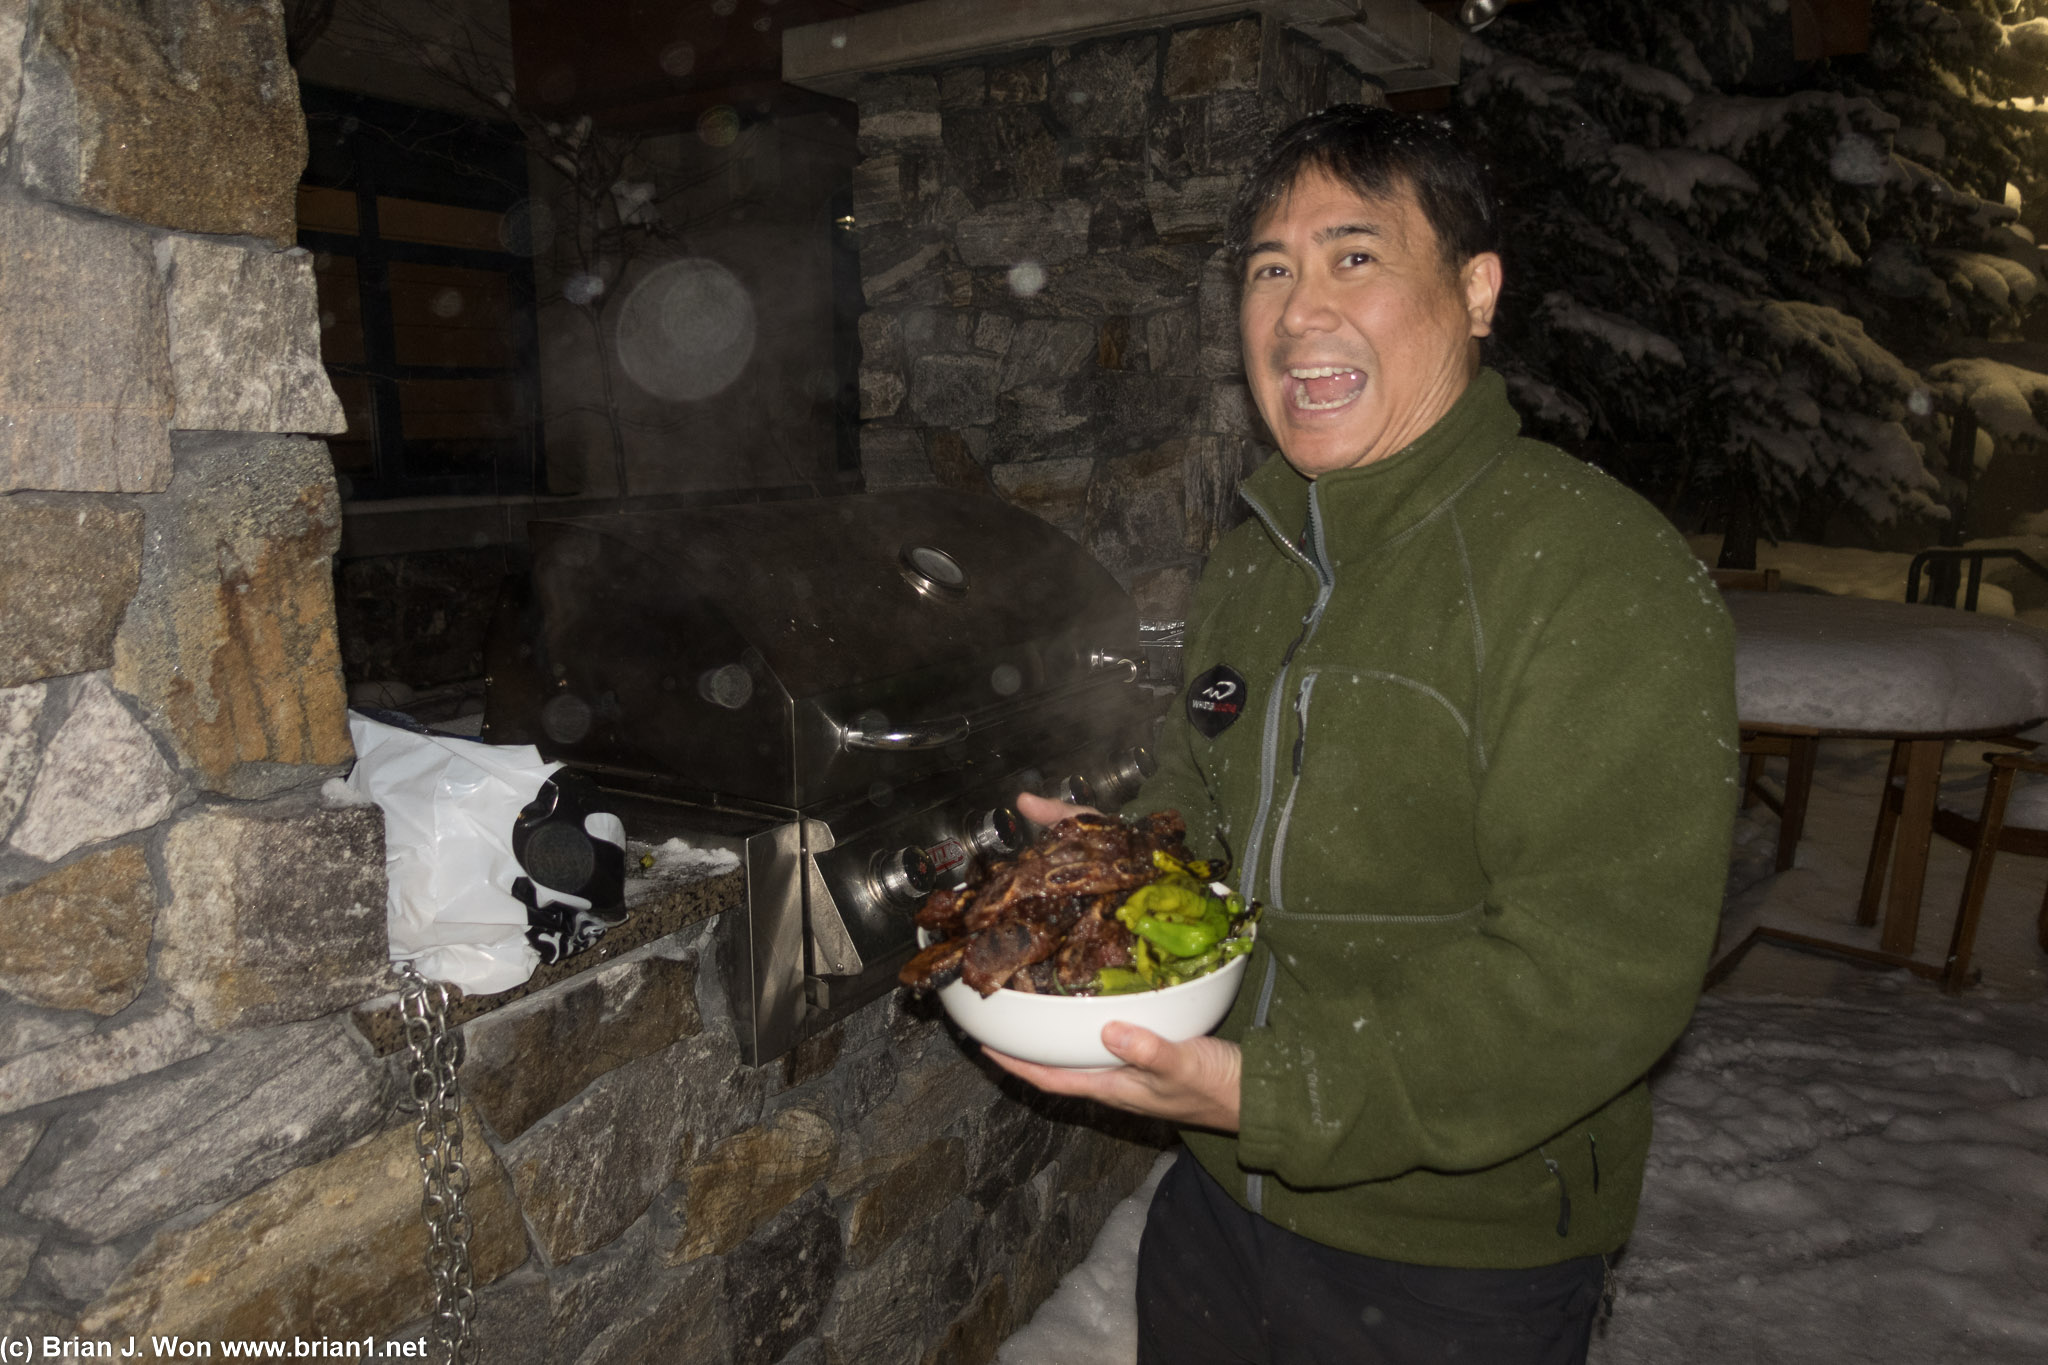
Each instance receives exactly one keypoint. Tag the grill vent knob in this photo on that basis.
(1133, 766)
(1076, 789)
(902, 878)
(998, 833)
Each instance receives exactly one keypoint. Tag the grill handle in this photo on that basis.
(937, 734)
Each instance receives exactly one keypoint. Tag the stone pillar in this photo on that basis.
(1050, 314)
(166, 647)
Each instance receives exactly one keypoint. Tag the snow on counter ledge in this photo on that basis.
(1854, 1184)
(674, 861)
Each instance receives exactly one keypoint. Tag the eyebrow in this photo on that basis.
(1323, 237)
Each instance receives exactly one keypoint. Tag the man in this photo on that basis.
(1482, 779)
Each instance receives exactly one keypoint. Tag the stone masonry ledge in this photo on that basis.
(661, 910)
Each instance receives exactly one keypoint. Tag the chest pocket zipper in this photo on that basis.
(1564, 1195)
(1308, 682)
(1275, 898)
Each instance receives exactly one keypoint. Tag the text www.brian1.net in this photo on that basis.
(179, 1348)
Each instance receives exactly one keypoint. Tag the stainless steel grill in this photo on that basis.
(849, 692)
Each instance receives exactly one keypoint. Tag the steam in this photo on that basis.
(686, 329)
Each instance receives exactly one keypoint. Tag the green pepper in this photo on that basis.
(1176, 938)
(1187, 969)
(1176, 915)
(1146, 966)
(1199, 870)
(1171, 897)
(1120, 981)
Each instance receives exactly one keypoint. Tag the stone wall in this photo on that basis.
(199, 1135)
(637, 1193)
(1050, 314)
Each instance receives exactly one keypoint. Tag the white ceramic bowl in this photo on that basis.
(1066, 1030)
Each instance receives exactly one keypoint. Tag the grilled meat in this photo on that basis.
(1097, 940)
(1083, 855)
(944, 910)
(995, 954)
(1046, 919)
(936, 966)
(1040, 978)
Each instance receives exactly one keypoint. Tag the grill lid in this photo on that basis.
(792, 652)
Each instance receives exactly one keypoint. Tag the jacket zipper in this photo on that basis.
(1326, 582)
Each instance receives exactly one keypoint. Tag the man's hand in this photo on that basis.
(1041, 811)
(1195, 1083)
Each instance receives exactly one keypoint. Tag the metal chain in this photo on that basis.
(437, 1137)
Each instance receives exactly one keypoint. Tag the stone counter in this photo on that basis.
(665, 908)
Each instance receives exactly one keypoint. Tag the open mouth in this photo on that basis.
(1318, 388)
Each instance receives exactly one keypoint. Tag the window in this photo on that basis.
(422, 249)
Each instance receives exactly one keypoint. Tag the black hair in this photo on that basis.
(1375, 151)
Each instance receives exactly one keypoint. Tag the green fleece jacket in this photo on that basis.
(1481, 772)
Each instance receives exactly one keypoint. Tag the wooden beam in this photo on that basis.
(833, 56)
(1829, 28)
(597, 56)
(1398, 43)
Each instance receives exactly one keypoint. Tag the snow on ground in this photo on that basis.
(1844, 1183)
(1830, 1182)
(1090, 1316)
(1848, 1167)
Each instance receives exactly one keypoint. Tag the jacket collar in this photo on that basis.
(1364, 508)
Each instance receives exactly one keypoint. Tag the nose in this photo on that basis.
(1308, 309)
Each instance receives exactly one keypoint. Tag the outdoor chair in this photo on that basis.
(2013, 818)
(1944, 567)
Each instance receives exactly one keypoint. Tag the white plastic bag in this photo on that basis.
(449, 807)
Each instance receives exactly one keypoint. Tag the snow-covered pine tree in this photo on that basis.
(1740, 281)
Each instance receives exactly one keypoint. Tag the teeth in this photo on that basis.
(1299, 396)
(1301, 401)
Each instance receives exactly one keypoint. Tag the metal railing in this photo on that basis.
(1944, 568)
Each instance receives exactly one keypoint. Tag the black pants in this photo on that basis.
(1219, 1284)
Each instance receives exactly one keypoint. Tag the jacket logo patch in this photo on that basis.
(1216, 700)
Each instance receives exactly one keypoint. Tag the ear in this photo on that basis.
(1480, 277)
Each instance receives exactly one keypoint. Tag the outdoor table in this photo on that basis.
(1812, 665)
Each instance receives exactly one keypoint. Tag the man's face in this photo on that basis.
(1357, 334)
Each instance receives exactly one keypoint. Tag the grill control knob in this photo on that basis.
(902, 878)
(998, 833)
(1077, 789)
(1133, 766)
